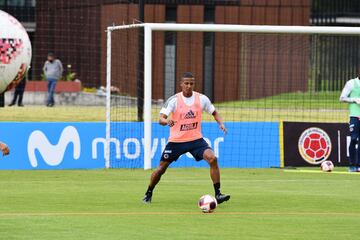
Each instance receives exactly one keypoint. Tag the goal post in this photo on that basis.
(108, 98)
(149, 28)
(147, 96)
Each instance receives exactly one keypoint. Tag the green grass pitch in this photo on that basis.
(106, 204)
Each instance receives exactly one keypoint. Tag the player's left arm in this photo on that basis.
(218, 119)
(4, 149)
(209, 107)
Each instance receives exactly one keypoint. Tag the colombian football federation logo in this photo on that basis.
(314, 145)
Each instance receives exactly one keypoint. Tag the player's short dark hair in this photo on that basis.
(187, 75)
(51, 54)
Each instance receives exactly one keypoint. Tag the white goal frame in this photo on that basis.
(150, 27)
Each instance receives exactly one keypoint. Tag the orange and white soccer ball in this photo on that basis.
(327, 166)
(15, 51)
(207, 203)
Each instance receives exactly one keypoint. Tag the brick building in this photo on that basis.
(75, 30)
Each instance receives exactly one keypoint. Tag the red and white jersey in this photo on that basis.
(187, 113)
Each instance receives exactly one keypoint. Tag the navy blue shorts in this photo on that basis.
(174, 150)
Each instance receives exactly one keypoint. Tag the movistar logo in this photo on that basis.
(53, 154)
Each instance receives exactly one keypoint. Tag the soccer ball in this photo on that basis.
(15, 51)
(327, 166)
(207, 203)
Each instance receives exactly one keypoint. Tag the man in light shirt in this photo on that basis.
(351, 95)
(186, 109)
(53, 71)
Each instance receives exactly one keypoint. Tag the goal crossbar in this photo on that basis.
(242, 28)
(149, 27)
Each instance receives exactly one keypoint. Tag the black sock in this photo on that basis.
(217, 188)
(149, 190)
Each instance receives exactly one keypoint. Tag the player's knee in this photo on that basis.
(212, 160)
(161, 170)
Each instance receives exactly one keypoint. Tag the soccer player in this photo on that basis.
(351, 94)
(185, 134)
(4, 149)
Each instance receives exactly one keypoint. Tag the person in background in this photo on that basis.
(19, 92)
(351, 95)
(53, 71)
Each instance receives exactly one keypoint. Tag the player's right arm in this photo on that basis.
(166, 110)
(345, 93)
(165, 121)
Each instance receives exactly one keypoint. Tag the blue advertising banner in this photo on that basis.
(82, 145)
(51, 145)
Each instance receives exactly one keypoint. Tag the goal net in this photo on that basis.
(71, 31)
(256, 77)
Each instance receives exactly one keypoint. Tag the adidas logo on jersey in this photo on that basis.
(189, 115)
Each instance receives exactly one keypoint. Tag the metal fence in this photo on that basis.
(337, 58)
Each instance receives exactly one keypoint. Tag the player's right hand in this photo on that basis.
(4, 149)
(171, 123)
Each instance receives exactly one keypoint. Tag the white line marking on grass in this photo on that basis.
(49, 214)
(319, 171)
